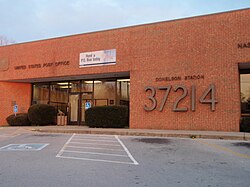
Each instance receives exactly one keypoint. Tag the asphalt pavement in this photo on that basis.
(114, 160)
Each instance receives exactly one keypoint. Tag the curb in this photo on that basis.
(153, 134)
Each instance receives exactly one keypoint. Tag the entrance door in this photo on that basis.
(79, 103)
(74, 100)
(86, 103)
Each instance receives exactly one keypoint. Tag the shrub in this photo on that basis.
(20, 119)
(107, 116)
(42, 114)
(245, 124)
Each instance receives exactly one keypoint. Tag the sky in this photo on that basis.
(29, 20)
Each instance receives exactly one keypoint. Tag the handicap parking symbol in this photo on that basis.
(15, 108)
(87, 105)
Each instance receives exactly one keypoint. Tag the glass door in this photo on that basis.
(87, 102)
(79, 103)
(74, 100)
(80, 99)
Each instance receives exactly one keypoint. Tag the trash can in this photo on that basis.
(61, 119)
(65, 120)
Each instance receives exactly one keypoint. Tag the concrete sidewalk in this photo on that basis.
(143, 132)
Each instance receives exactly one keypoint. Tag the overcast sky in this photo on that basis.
(28, 20)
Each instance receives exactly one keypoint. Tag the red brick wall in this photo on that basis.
(10, 92)
(201, 46)
(205, 45)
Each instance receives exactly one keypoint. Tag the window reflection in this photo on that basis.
(245, 93)
(75, 86)
(40, 94)
(87, 86)
(72, 96)
(59, 96)
(123, 90)
(104, 92)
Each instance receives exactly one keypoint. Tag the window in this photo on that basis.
(245, 93)
(59, 96)
(74, 86)
(71, 97)
(104, 92)
(40, 94)
(123, 90)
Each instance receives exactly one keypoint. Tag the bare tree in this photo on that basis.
(4, 40)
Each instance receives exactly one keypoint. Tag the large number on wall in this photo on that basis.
(209, 92)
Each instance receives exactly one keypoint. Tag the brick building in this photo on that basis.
(188, 74)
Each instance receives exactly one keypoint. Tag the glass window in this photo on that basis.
(123, 90)
(104, 92)
(245, 93)
(74, 86)
(40, 94)
(59, 96)
(74, 96)
(87, 86)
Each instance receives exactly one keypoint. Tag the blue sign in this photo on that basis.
(15, 108)
(87, 105)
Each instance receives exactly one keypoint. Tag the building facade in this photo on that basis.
(187, 74)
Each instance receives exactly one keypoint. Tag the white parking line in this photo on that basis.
(94, 153)
(72, 149)
(95, 148)
(97, 160)
(95, 136)
(61, 151)
(93, 140)
(94, 144)
(125, 148)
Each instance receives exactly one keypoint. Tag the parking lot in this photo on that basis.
(46, 159)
